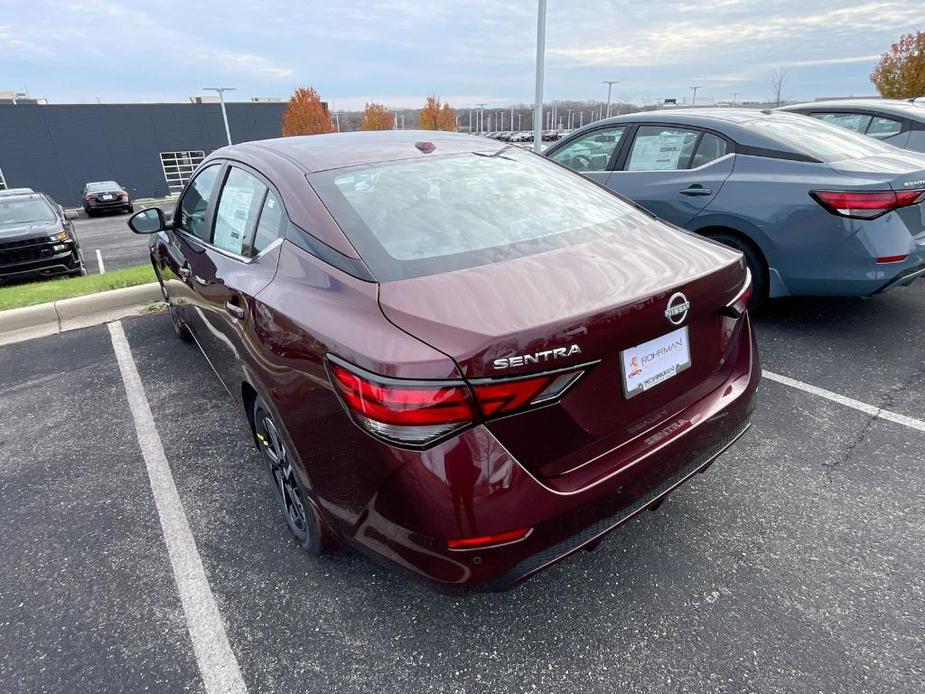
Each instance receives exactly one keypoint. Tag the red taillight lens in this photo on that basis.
(88, 196)
(418, 413)
(739, 303)
(489, 540)
(505, 396)
(866, 204)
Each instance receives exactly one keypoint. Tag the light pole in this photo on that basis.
(734, 95)
(609, 84)
(221, 97)
(481, 117)
(694, 97)
(540, 57)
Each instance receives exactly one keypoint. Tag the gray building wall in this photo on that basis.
(59, 148)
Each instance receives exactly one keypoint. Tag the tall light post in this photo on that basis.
(481, 117)
(734, 95)
(609, 84)
(694, 97)
(221, 97)
(540, 57)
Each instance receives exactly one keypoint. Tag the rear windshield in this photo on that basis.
(100, 186)
(25, 211)
(820, 140)
(423, 216)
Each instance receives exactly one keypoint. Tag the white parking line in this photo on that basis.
(217, 663)
(99, 261)
(872, 410)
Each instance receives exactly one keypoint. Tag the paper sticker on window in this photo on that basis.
(660, 151)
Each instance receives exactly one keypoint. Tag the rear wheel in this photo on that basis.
(753, 260)
(288, 491)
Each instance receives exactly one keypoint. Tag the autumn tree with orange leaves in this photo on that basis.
(306, 114)
(435, 116)
(376, 117)
(900, 74)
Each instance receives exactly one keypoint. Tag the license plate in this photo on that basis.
(653, 362)
(108, 197)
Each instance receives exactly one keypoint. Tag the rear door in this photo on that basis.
(239, 261)
(672, 171)
(594, 153)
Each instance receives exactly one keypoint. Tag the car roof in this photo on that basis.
(25, 196)
(896, 107)
(15, 191)
(314, 153)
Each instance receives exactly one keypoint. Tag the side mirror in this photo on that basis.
(71, 214)
(149, 221)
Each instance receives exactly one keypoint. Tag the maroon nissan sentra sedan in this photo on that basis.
(455, 354)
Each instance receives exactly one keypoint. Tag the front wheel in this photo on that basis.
(755, 264)
(288, 491)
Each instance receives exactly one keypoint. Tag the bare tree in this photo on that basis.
(778, 80)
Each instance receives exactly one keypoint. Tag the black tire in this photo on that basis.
(755, 263)
(287, 489)
(179, 328)
(130, 209)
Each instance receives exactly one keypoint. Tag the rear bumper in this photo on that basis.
(97, 205)
(472, 486)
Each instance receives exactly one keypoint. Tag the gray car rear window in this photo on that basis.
(423, 216)
(820, 140)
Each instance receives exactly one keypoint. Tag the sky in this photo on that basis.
(465, 51)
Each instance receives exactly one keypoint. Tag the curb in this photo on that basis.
(41, 320)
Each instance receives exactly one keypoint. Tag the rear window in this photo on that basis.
(101, 186)
(819, 140)
(23, 211)
(423, 216)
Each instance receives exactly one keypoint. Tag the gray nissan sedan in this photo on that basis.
(815, 209)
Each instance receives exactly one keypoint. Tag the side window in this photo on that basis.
(270, 226)
(238, 207)
(592, 151)
(191, 212)
(711, 147)
(884, 127)
(661, 149)
(853, 121)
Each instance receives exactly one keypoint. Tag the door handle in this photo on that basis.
(234, 308)
(697, 189)
(201, 282)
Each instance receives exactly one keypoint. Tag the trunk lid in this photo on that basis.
(604, 296)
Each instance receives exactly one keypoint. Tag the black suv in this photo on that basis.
(101, 196)
(37, 238)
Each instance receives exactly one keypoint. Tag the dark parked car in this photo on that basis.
(102, 196)
(453, 353)
(898, 122)
(815, 209)
(37, 238)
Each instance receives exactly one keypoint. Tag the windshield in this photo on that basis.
(423, 216)
(820, 140)
(33, 210)
(100, 186)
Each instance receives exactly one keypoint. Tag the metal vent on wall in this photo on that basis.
(179, 167)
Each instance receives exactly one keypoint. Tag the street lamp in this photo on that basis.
(221, 97)
(694, 97)
(734, 95)
(540, 56)
(609, 84)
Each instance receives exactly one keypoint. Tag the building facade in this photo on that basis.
(151, 149)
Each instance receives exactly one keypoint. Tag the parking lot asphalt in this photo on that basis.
(109, 234)
(794, 564)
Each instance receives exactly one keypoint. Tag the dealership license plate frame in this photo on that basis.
(669, 368)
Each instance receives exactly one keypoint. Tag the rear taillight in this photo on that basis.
(123, 194)
(484, 541)
(88, 196)
(866, 204)
(739, 303)
(420, 413)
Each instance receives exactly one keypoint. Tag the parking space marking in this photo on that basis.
(99, 261)
(872, 410)
(217, 662)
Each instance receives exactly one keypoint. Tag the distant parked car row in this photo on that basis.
(523, 135)
(814, 209)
